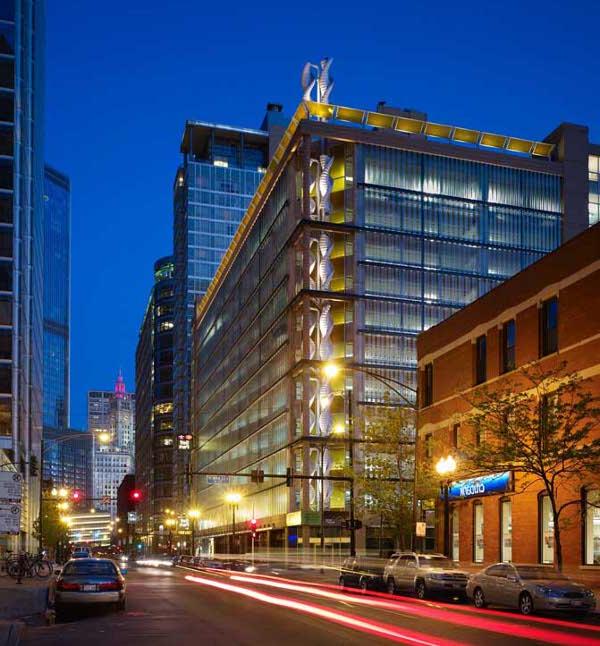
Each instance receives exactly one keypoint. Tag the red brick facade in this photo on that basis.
(571, 274)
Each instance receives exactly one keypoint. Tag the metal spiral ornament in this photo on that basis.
(317, 76)
(325, 264)
(325, 183)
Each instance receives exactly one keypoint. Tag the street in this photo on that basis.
(167, 606)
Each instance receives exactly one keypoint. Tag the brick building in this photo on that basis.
(550, 312)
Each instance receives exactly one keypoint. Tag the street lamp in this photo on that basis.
(193, 515)
(445, 468)
(233, 498)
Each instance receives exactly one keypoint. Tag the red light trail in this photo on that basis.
(473, 621)
(387, 631)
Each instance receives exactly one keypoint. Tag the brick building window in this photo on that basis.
(428, 385)
(546, 529)
(429, 445)
(506, 530)
(549, 327)
(455, 435)
(592, 526)
(477, 532)
(480, 359)
(507, 348)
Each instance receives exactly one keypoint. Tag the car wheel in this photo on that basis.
(420, 589)
(391, 586)
(342, 582)
(525, 603)
(479, 598)
(364, 585)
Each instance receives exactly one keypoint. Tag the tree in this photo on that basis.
(542, 426)
(55, 530)
(384, 481)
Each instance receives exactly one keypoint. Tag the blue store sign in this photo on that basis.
(485, 485)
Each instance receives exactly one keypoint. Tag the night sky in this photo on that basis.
(122, 77)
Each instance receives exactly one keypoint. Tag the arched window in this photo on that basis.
(506, 530)
(477, 531)
(546, 529)
(591, 528)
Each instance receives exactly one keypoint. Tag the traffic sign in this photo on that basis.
(10, 518)
(217, 479)
(421, 529)
(11, 484)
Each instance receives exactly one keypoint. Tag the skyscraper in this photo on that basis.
(155, 440)
(113, 413)
(57, 274)
(221, 169)
(368, 227)
(21, 243)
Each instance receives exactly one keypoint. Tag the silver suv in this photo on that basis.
(425, 574)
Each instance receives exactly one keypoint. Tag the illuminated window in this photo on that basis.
(161, 409)
(221, 163)
(477, 532)
(167, 441)
(506, 530)
(546, 530)
(592, 527)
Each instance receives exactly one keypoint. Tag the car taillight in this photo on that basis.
(111, 585)
(63, 585)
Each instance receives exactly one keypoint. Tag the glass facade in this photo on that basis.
(222, 168)
(353, 250)
(594, 189)
(21, 249)
(156, 441)
(57, 271)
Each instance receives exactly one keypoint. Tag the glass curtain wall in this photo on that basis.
(439, 233)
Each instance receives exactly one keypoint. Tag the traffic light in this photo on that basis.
(289, 476)
(257, 475)
(253, 524)
(135, 495)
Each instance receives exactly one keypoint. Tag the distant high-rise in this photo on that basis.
(221, 169)
(57, 274)
(155, 441)
(111, 412)
(21, 243)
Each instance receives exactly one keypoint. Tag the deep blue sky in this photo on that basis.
(122, 77)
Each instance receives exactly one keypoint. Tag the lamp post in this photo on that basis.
(445, 467)
(233, 498)
(193, 515)
(330, 370)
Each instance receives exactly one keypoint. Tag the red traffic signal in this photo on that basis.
(253, 525)
(135, 495)
(76, 495)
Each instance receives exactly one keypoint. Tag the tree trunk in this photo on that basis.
(558, 557)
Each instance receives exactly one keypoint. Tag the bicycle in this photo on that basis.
(26, 565)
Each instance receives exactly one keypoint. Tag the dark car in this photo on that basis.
(89, 581)
(364, 572)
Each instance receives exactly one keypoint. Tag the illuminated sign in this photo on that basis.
(485, 485)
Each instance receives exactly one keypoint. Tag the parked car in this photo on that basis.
(424, 574)
(362, 572)
(89, 581)
(81, 553)
(528, 588)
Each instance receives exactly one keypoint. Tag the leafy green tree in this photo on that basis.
(55, 530)
(384, 479)
(543, 425)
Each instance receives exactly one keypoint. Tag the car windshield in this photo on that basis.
(540, 573)
(435, 561)
(89, 568)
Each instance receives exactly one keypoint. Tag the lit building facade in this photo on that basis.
(549, 314)
(368, 228)
(21, 256)
(57, 274)
(155, 439)
(111, 412)
(68, 459)
(221, 169)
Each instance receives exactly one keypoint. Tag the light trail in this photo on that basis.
(353, 593)
(387, 631)
(473, 621)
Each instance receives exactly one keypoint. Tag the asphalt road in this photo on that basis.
(165, 607)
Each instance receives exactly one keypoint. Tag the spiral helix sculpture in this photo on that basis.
(317, 76)
(325, 183)
(325, 264)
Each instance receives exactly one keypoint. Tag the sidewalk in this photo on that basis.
(22, 600)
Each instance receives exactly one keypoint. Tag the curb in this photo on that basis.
(11, 633)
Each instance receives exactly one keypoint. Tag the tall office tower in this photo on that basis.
(57, 274)
(221, 168)
(368, 227)
(21, 259)
(112, 413)
(155, 441)
(68, 459)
